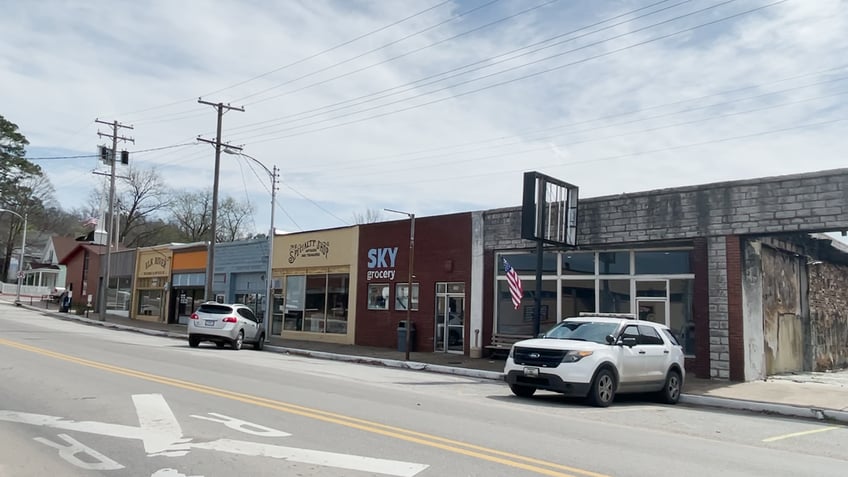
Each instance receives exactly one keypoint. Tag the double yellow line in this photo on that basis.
(429, 440)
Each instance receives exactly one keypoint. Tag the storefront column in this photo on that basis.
(477, 273)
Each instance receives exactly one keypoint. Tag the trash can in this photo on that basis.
(401, 336)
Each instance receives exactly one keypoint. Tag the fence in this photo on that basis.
(27, 291)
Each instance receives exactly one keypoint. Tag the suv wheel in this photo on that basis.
(260, 343)
(602, 392)
(239, 341)
(193, 342)
(670, 392)
(522, 391)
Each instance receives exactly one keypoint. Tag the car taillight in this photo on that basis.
(194, 316)
(231, 319)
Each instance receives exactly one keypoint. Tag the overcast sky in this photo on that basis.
(427, 106)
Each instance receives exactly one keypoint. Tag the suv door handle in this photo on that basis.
(641, 352)
(665, 351)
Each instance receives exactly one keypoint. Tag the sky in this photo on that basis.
(430, 106)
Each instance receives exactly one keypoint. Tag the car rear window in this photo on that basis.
(215, 309)
(671, 337)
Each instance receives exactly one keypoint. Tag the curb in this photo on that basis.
(688, 399)
(765, 407)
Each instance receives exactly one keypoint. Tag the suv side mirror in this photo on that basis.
(540, 335)
(610, 339)
(629, 341)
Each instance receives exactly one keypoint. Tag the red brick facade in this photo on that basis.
(83, 273)
(734, 308)
(700, 365)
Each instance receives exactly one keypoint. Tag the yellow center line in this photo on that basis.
(450, 445)
(802, 433)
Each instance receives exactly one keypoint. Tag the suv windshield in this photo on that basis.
(595, 331)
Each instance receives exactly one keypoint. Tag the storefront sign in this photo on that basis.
(154, 265)
(381, 263)
(309, 248)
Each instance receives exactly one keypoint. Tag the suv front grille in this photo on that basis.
(545, 358)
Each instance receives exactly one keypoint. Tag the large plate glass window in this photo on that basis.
(614, 296)
(614, 263)
(671, 262)
(578, 263)
(520, 321)
(577, 296)
(378, 296)
(337, 299)
(295, 291)
(681, 321)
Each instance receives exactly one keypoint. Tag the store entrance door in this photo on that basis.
(450, 317)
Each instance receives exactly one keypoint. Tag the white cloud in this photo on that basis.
(64, 64)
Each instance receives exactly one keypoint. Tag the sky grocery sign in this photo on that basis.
(381, 263)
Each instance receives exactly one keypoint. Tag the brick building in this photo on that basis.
(688, 257)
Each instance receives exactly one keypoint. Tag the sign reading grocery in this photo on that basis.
(381, 263)
(309, 248)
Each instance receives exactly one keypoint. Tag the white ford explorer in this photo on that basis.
(596, 356)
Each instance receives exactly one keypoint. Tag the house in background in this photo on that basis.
(83, 272)
(48, 272)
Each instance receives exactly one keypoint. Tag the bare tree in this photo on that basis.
(27, 198)
(370, 216)
(143, 195)
(192, 214)
(233, 216)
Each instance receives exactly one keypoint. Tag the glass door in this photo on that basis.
(450, 317)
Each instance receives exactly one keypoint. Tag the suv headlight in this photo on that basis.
(575, 356)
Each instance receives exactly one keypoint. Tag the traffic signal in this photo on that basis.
(105, 154)
(125, 157)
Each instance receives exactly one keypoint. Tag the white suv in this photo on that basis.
(225, 324)
(597, 356)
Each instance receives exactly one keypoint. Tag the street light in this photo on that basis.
(269, 281)
(409, 285)
(23, 246)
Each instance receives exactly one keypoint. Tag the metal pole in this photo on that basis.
(21, 265)
(409, 289)
(270, 300)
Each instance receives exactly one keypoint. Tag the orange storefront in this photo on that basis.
(188, 280)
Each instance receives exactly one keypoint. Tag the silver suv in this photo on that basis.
(598, 356)
(224, 324)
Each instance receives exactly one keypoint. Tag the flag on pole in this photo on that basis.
(91, 221)
(514, 284)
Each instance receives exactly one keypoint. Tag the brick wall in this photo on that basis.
(718, 316)
(735, 327)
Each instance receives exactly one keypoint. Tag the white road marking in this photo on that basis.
(69, 453)
(161, 430)
(243, 426)
(307, 456)
(162, 436)
(171, 473)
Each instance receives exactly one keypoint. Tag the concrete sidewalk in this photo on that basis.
(821, 396)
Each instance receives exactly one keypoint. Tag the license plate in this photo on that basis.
(210, 322)
(532, 372)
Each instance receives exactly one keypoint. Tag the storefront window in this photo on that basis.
(338, 290)
(525, 263)
(119, 295)
(650, 289)
(681, 321)
(577, 296)
(401, 297)
(150, 302)
(578, 263)
(378, 296)
(672, 262)
(614, 296)
(614, 263)
(295, 289)
(316, 303)
(520, 321)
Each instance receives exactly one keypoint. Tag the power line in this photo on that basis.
(294, 63)
(373, 50)
(316, 204)
(83, 156)
(513, 80)
(402, 55)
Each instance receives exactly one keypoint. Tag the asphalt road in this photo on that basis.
(77, 400)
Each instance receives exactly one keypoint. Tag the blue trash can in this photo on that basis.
(401, 337)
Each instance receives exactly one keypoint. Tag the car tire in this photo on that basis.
(239, 341)
(260, 343)
(522, 391)
(193, 342)
(602, 392)
(670, 393)
(219, 344)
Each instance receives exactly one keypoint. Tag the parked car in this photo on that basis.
(222, 324)
(598, 356)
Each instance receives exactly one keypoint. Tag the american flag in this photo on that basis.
(514, 284)
(91, 221)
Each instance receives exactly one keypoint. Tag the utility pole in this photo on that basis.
(220, 108)
(104, 288)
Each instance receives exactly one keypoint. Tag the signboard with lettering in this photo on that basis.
(154, 264)
(381, 263)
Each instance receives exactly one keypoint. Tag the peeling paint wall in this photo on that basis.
(828, 296)
(752, 306)
(783, 328)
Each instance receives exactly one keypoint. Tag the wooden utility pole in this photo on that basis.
(221, 108)
(103, 290)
